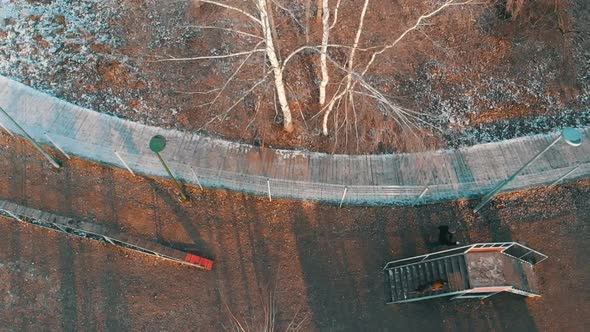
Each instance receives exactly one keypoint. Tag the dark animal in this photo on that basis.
(445, 237)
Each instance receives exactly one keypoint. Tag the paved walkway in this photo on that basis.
(216, 163)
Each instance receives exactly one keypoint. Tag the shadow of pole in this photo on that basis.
(183, 217)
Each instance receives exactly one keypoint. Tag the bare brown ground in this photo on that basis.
(318, 260)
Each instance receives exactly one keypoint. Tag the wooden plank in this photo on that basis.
(91, 228)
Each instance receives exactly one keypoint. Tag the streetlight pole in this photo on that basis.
(32, 141)
(570, 135)
(157, 145)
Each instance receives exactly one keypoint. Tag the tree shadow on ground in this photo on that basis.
(331, 289)
(183, 217)
(343, 299)
(510, 311)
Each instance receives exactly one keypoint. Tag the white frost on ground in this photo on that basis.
(36, 35)
(49, 46)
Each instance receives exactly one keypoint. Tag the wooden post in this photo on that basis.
(108, 239)
(57, 146)
(268, 188)
(32, 141)
(124, 163)
(6, 129)
(564, 176)
(196, 178)
(343, 196)
(421, 195)
(13, 215)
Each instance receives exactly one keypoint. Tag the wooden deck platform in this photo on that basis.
(494, 269)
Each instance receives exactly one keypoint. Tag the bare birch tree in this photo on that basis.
(350, 67)
(264, 21)
(275, 65)
(352, 82)
(346, 88)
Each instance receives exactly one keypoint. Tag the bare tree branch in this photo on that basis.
(225, 29)
(298, 105)
(359, 31)
(307, 15)
(243, 12)
(412, 28)
(335, 15)
(324, 50)
(318, 49)
(297, 51)
(236, 103)
(231, 78)
(403, 116)
(255, 114)
(356, 127)
(285, 9)
(210, 57)
(197, 92)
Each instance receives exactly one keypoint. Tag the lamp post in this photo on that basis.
(570, 135)
(157, 145)
(30, 139)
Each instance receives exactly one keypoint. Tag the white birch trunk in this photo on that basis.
(275, 65)
(359, 31)
(307, 15)
(318, 16)
(324, 51)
